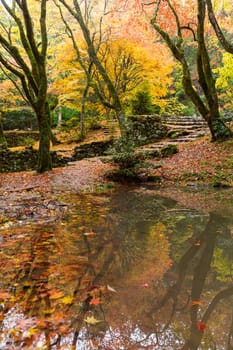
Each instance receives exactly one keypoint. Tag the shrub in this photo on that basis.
(130, 163)
(142, 102)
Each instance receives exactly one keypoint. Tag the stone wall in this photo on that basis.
(16, 138)
(93, 149)
(143, 129)
(25, 160)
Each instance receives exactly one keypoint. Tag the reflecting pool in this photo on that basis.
(132, 268)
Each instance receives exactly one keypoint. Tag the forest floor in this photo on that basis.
(26, 196)
(199, 162)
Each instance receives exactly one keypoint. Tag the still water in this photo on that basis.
(128, 269)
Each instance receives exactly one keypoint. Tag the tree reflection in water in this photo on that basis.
(121, 272)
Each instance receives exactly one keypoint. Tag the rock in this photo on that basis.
(144, 129)
(168, 150)
(94, 149)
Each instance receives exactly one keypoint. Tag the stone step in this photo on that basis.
(187, 128)
(184, 122)
(181, 117)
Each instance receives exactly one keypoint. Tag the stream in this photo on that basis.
(127, 269)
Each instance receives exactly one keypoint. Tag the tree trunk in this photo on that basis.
(59, 121)
(83, 112)
(44, 157)
(3, 142)
(219, 131)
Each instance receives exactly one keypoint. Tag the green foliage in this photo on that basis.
(19, 119)
(131, 164)
(223, 265)
(220, 130)
(168, 151)
(124, 154)
(142, 102)
(173, 107)
(178, 102)
(27, 141)
(93, 123)
(53, 101)
(223, 176)
(224, 81)
(3, 143)
(67, 115)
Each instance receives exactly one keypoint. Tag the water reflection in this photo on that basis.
(126, 270)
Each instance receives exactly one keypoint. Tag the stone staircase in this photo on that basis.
(181, 129)
(185, 128)
(110, 128)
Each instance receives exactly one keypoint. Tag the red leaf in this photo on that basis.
(201, 326)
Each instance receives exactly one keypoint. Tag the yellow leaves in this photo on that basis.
(91, 320)
(67, 300)
(31, 332)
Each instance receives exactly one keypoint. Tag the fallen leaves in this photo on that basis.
(67, 300)
(4, 295)
(95, 301)
(197, 161)
(92, 320)
(196, 303)
(201, 326)
(55, 294)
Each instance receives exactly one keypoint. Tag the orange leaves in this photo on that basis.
(95, 293)
(95, 301)
(55, 294)
(4, 295)
(197, 303)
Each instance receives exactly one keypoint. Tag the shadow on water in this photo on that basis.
(130, 269)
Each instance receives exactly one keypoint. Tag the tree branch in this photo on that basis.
(224, 42)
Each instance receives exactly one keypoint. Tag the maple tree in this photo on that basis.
(82, 13)
(130, 68)
(23, 53)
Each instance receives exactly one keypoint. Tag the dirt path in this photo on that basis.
(26, 196)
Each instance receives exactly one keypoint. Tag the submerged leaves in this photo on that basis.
(92, 320)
